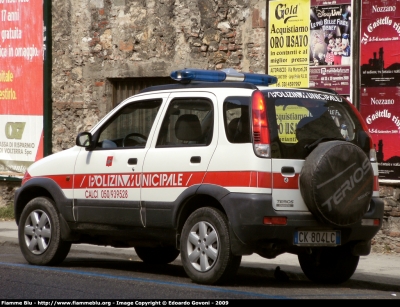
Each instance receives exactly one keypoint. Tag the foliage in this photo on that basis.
(7, 212)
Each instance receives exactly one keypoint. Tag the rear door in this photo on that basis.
(286, 164)
(179, 155)
(299, 119)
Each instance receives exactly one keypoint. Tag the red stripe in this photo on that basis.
(231, 179)
(173, 179)
(63, 181)
(264, 180)
(239, 179)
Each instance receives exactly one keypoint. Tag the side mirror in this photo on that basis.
(84, 139)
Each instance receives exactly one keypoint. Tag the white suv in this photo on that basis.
(212, 171)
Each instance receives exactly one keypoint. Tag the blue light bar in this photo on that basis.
(192, 74)
(259, 79)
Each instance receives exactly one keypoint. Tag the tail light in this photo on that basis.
(372, 151)
(370, 222)
(261, 140)
(376, 184)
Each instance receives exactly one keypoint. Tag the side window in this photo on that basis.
(130, 126)
(187, 122)
(237, 119)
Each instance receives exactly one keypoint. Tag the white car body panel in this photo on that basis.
(286, 186)
(58, 167)
(174, 162)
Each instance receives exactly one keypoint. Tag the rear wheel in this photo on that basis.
(205, 247)
(157, 255)
(39, 233)
(329, 265)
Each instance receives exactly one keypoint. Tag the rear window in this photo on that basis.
(300, 118)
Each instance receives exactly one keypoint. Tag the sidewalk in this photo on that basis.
(376, 268)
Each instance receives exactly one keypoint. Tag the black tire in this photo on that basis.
(329, 265)
(39, 233)
(206, 249)
(157, 255)
(336, 183)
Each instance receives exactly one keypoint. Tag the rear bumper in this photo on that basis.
(247, 211)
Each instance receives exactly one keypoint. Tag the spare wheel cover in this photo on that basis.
(336, 182)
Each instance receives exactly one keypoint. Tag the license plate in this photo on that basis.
(317, 238)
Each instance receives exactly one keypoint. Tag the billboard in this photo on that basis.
(330, 45)
(380, 81)
(21, 85)
(288, 42)
(309, 44)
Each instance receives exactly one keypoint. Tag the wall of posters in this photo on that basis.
(380, 81)
(330, 45)
(309, 44)
(21, 85)
(288, 42)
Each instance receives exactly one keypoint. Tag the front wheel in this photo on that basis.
(329, 265)
(205, 247)
(39, 233)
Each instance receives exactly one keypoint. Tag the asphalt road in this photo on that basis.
(87, 274)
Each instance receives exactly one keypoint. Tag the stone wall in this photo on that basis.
(95, 40)
(388, 238)
(7, 190)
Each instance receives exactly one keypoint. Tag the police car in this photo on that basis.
(217, 166)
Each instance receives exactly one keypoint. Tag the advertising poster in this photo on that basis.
(288, 42)
(380, 81)
(287, 118)
(330, 45)
(21, 85)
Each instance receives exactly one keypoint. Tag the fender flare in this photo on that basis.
(27, 192)
(214, 191)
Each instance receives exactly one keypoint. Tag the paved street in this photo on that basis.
(382, 269)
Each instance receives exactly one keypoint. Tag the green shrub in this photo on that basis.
(7, 212)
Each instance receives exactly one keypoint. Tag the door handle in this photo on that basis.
(132, 161)
(195, 159)
(287, 171)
